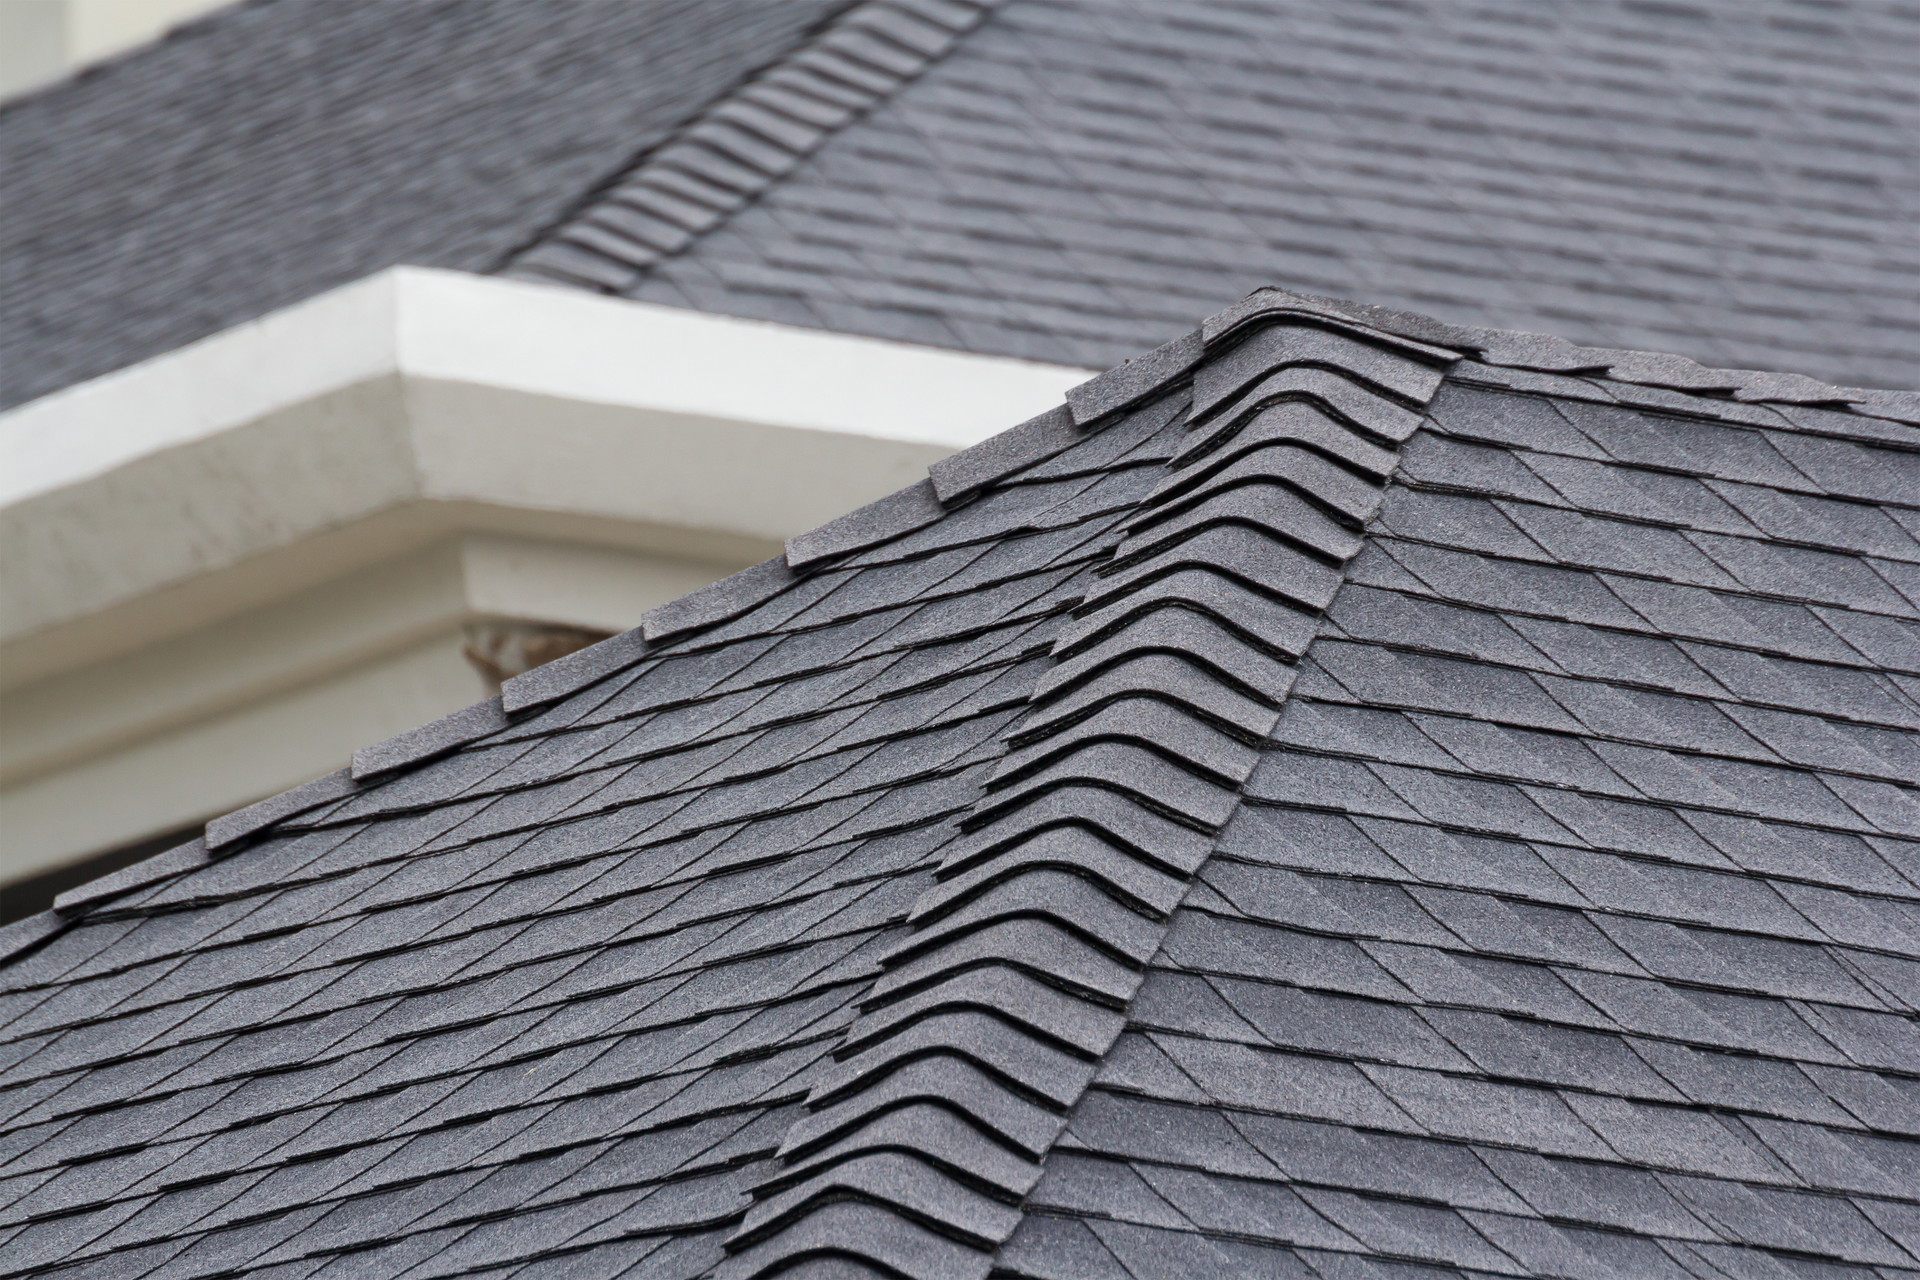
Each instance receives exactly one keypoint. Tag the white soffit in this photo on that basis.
(516, 336)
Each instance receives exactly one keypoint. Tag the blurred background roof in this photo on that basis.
(271, 151)
(42, 40)
(1732, 180)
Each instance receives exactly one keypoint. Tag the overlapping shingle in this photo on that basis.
(1311, 833)
(1616, 967)
(1073, 181)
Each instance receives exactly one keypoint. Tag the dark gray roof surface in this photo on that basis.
(280, 148)
(1068, 180)
(1733, 180)
(1315, 804)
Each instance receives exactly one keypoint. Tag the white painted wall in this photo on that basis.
(42, 40)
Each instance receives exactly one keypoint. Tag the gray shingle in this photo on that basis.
(887, 893)
(1485, 1111)
(1520, 1049)
(1601, 1193)
(1548, 1249)
(376, 156)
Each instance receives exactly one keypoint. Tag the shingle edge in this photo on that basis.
(416, 746)
(224, 831)
(728, 598)
(1129, 383)
(914, 507)
(29, 932)
(160, 866)
(1546, 354)
(564, 676)
(1015, 449)
(1106, 803)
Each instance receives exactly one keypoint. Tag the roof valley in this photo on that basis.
(994, 1013)
(738, 147)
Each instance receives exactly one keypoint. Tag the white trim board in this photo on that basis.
(195, 547)
(419, 403)
(534, 338)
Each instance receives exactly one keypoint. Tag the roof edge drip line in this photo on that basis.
(738, 147)
(994, 1013)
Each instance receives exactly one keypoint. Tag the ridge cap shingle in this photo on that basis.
(954, 479)
(733, 150)
(1115, 741)
(1545, 353)
(1009, 972)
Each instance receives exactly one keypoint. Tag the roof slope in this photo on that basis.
(1570, 924)
(1337, 793)
(277, 149)
(1067, 180)
(1732, 181)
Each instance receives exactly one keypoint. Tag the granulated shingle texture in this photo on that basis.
(1069, 180)
(1737, 182)
(284, 147)
(581, 971)
(1316, 805)
(1568, 926)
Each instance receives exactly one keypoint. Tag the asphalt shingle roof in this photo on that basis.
(279, 148)
(1737, 181)
(1342, 796)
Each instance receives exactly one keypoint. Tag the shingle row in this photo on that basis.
(647, 952)
(748, 140)
(1541, 942)
(992, 1015)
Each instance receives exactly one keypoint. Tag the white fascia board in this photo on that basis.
(580, 346)
(220, 763)
(243, 374)
(511, 335)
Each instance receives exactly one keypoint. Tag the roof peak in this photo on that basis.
(1052, 789)
(1545, 353)
(1517, 361)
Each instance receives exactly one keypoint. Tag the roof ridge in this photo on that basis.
(736, 148)
(1533, 362)
(994, 1014)
(1546, 353)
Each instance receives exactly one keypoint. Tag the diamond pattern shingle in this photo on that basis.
(1624, 971)
(1071, 180)
(1231, 830)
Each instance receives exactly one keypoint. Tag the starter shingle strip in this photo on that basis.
(1096, 772)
